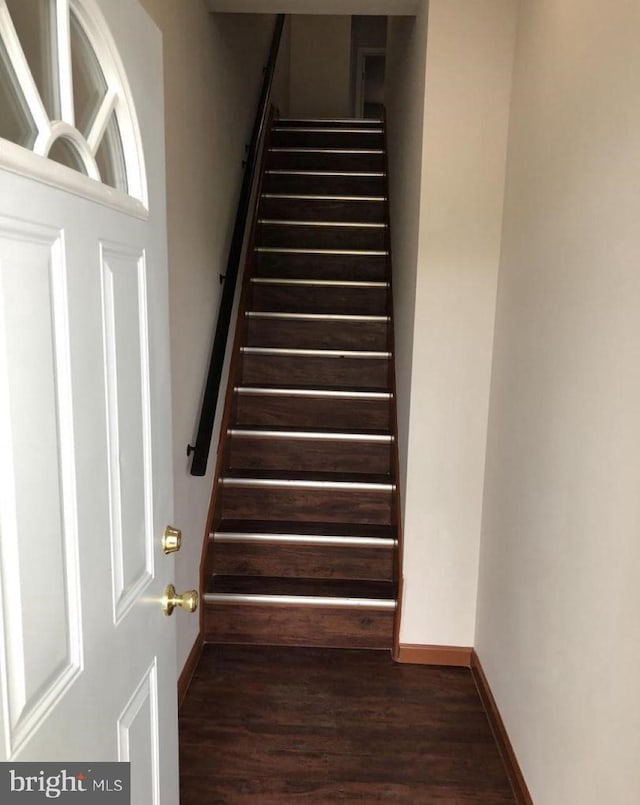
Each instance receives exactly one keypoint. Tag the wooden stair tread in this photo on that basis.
(288, 295)
(321, 266)
(245, 548)
(312, 477)
(330, 588)
(302, 528)
(331, 122)
(330, 627)
(357, 184)
(309, 452)
(327, 138)
(308, 389)
(323, 208)
(334, 235)
(309, 431)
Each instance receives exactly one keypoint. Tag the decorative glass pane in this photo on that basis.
(64, 152)
(71, 83)
(89, 85)
(110, 157)
(16, 123)
(34, 24)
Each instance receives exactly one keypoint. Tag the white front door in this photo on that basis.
(87, 656)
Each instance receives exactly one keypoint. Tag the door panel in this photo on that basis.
(33, 333)
(138, 739)
(124, 321)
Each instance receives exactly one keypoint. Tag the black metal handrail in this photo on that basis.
(208, 412)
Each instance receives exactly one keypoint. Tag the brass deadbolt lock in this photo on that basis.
(171, 539)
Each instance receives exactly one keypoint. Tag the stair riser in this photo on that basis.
(323, 334)
(340, 123)
(351, 267)
(298, 626)
(319, 299)
(292, 209)
(326, 139)
(321, 455)
(324, 161)
(304, 561)
(324, 185)
(321, 412)
(321, 237)
(307, 505)
(286, 370)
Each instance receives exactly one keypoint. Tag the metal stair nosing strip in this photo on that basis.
(302, 222)
(301, 172)
(250, 538)
(316, 353)
(352, 120)
(321, 283)
(325, 601)
(304, 435)
(284, 391)
(292, 250)
(293, 483)
(324, 123)
(342, 317)
(320, 130)
(327, 150)
(317, 197)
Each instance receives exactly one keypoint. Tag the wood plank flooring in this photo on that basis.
(267, 724)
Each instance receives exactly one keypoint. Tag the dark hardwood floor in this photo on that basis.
(286, 725)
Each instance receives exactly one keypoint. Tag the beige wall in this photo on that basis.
(213, 70)
(281, 89)
(559, 600)
(406, 60)
(447, 359)
(320, 66)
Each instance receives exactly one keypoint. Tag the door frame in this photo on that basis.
(361, 61)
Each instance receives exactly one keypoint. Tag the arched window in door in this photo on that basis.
(63, 94)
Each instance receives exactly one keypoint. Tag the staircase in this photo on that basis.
(304, 537)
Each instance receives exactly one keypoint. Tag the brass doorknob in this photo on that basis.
(171, 539)
(171, 600)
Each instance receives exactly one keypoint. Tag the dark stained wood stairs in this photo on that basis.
(304, 536)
